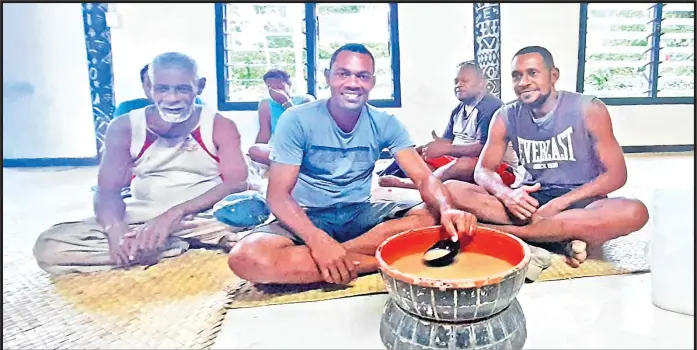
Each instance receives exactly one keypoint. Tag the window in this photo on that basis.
(637, 53)
(300, 38)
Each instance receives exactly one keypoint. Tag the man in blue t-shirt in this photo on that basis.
(138, 103)
(323, 157)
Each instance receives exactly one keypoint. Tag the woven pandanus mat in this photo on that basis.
(624, 255)
(178, 303)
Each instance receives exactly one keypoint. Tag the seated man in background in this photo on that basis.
(566, 143)
(454, 155)
(138, 103)
(185, 158)
(270, 109)
(323, 157)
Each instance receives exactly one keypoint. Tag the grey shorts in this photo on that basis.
(344, 222)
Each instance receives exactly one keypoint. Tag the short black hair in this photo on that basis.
(276, 73)
(352, 47)
(546, 55)
(472, 65)
(143, 72)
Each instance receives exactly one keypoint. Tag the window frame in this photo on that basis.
(653, 99)
(311, 24)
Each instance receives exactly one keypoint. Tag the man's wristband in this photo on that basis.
(287, 105)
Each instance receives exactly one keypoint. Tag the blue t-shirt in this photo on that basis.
(335, 167)
(138, 103)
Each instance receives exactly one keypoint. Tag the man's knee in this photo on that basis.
(252, 260)
(259, 152)
(637, 212)
(48, 251)
(422, 215)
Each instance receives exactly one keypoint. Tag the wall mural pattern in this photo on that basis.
(98, 40)
(487, 43)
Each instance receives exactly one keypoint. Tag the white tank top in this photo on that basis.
(167, 172)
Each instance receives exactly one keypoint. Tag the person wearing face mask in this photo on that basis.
(566, 143)
(454, 154)
(184, 159)
(270, 110)
(324, 152)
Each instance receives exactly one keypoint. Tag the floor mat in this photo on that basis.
(624, 255)
(178, 303)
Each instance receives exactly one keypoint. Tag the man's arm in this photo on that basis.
(431, 189)
(264, 134)
(308, 98)
(114, 174)
(610, 154)
(517, 201)
(400, 145)
(233, 169)
(491, 156)
(472, 150)
(286, 158)
(282, 179)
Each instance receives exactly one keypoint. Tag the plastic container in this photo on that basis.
(672, 252)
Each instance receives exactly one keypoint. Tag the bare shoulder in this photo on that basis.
(264, 104)
(596, 115)
(119, 131)
(120, 123)
(224, 129)
(499, 119)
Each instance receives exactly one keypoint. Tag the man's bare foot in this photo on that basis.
(540, 260)
(576, 253)
(390, 181)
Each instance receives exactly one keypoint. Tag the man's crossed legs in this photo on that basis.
(82, 246)
(271, 253)
(589, 222)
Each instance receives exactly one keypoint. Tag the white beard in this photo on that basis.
(175, 118)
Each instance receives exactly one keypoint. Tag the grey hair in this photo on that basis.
(173, 60)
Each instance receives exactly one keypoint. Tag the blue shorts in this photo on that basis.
(344, 222)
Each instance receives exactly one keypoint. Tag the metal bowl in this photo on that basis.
(454, 300)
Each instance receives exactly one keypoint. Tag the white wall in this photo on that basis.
(433, 38)
(46, 110)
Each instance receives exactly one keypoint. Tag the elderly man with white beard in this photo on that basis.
(182, 159)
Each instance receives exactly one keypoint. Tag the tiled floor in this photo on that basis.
(603, 312)
(590, 313)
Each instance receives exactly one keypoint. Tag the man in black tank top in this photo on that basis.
(566, 143)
